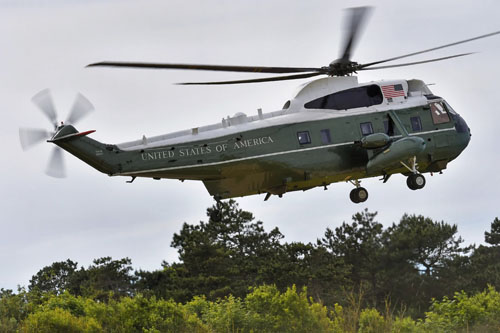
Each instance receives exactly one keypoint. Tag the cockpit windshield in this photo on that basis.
(449, 108)
(439, 112)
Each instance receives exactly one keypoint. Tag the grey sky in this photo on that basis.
(46, 44)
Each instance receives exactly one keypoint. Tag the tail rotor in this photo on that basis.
(30, 137)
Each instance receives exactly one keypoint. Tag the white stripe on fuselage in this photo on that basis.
(268, 155)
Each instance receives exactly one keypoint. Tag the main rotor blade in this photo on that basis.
(429, 50)
(32, 136)
(265, 79)
(415, 63)
(44, 101)
(56, 167)
(352, 30)
(223, 68)
(81, 107)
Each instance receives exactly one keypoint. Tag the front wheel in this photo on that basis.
(415, 181)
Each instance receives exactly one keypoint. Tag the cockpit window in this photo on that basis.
(438, 112)
(348, 99)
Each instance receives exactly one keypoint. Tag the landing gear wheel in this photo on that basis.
(415, 181)
(358, 195)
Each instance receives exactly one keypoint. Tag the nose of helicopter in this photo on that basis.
(463, 131)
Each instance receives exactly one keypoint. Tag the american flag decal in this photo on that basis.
(393, 90)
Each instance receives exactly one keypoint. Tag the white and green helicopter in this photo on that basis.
(333, 129)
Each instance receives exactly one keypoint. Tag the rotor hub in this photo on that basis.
(341, 68)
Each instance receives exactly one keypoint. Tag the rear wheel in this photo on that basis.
(358, 195)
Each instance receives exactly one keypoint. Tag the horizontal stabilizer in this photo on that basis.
(72, 135)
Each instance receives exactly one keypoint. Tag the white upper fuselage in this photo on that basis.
(293, 112)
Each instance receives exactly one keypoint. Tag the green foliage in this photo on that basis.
(493, 237)
(59, 320)
(481, 269)
(55, 278)
(14, 308)
(233, 276)
(107, 277)
(290, 311)
(406, 325)
(104, 278)
(226, 315)
(357, 243)
(265, 309)
(424, 242)
(68, 313)
(422, 258)
(480, 313)
(371, 321)
(225, 257)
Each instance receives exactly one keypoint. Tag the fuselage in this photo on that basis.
(314, 141)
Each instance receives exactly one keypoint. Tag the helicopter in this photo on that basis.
(334, 129)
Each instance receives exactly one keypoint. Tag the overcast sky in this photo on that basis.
(46, 44)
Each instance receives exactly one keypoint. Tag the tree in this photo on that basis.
(55, 278)
(426, 244)
(359, 245)
(483, 266)
(425, 259)
(107, 276)
(493, 237)
(227, 256)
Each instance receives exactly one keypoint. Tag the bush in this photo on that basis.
(59, 320)
(480, 312)
(371, 321)
(290, 311)
(406, 325)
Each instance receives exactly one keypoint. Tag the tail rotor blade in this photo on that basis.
(32, 136)
(56, 167)
(44, 101)
(80, 109)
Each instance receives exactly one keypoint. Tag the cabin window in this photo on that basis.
(325, 136)
(348, 99)
(438, 112)
(366, 128)
(416, 124)
(304, 137)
